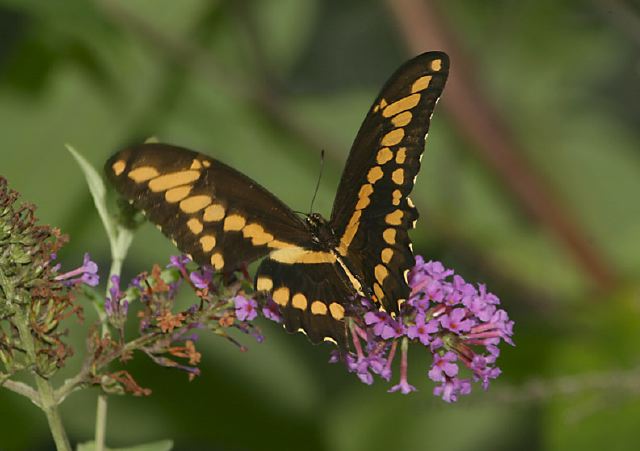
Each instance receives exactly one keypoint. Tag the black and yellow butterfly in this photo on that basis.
(313, 267)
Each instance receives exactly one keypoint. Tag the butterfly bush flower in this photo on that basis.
(461, 326)
(272, 311)
(115, 305)
(86, 274)
(246, 309)
(201, 279)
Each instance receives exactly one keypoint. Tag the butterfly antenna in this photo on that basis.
(315, 192)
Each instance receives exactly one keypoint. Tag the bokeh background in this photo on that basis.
(530, 183)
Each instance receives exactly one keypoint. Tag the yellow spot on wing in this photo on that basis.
(389, 236)
(318, 308)
(382, 104)
(252, 230)
(365, 190)
(384, 155)
(393, 137)
(233, 223)
(401, 155)
(386, 255)
(421, 83)
(397, 195)
(377, 289)
(277, 244)
(143, 173)
(206, 163)
(195, 164)
(299, 301)
(194, 203)
(262, 239)
(381, 273)
(436, 65)
(217, 261)
(401, 105)
(208, 242)
(173, 179)
(118, 167)
(375, 174)
(402, 119)
(256, 233)
(214, 212)
(177, 194)
(264, 283)
(337, 311)
(398, 176)
(295, 254)
(281, 296)
(363, 201)
(195, 226)
(394, 218)
(350, 232)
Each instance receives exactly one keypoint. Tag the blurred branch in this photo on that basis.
(21, 389)
(624, 382)
(272, 103)
(622, 16)
(423, 29)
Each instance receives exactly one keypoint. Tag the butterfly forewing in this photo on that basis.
(372, 212)
(211, 211)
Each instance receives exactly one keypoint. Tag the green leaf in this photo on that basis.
(162, 445)
(119, 237)
(98, 192)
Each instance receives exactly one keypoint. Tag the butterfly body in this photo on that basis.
(313, 268)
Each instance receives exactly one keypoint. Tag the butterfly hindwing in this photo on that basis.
(372, 212)
(311, 297)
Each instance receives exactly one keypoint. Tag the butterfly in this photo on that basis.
(313, 268)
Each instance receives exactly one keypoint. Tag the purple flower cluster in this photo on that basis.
(459, 324)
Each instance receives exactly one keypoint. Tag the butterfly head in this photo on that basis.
(320, 229)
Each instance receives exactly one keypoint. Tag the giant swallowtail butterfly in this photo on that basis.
(314, 267)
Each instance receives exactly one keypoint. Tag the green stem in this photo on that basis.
(20, 388)
(45, 390)
(101, 422)
(50, 408)
(119, 247)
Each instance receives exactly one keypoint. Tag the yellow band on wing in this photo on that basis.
(295, 254)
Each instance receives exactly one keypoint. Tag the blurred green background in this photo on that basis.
(551, 224)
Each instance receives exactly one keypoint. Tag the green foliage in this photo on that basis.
(561, 74)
